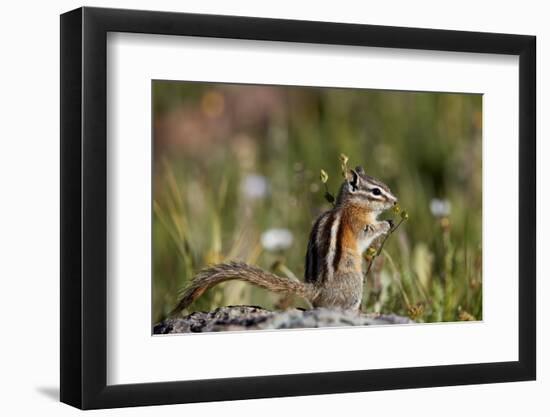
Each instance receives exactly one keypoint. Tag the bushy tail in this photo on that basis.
(216, 274)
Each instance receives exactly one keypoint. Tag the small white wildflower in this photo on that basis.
(276, 239)
(254, 186)
(440, 208)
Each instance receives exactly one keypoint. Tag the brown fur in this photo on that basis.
(351, 219)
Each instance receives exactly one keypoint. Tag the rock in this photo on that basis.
(234, 318)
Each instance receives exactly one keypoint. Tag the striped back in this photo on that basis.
(321, 248)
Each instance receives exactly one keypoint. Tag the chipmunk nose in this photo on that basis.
(395, 203)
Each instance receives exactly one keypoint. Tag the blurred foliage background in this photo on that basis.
(236, 176)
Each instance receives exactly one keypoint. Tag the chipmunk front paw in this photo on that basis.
(379, 228)
(385, 226)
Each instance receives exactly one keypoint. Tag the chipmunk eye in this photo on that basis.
(376, 191)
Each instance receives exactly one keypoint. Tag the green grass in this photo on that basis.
(209, 137)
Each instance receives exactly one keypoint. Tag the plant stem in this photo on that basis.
(379, 251)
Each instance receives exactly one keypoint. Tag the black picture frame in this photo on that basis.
(84, 207)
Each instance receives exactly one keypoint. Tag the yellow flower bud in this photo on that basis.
(405, 215)
(323, 176)
(344, 159)
(371, 252)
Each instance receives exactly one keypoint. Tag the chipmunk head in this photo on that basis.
(366, 191)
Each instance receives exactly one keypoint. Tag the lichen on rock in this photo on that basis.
(236, 318)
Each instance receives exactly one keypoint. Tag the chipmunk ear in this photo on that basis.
(353, 179)
(359, 169)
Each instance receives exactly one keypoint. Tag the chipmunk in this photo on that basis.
(333, 267)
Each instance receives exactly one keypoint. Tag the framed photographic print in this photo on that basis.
(258, 208)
